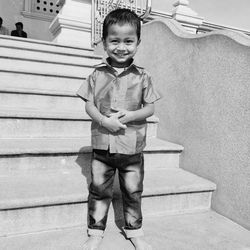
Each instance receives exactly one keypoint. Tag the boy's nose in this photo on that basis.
(121, 46)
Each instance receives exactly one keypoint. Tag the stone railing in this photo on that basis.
(207, 27)
(190, 20)
(79, 22)
(204, 82)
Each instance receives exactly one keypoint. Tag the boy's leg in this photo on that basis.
(131, 178)
(131, 181)
(100, 196)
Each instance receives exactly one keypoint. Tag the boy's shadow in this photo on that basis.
(84, 162)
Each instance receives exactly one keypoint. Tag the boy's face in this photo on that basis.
(121, 44)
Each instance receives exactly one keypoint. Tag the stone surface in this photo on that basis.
(70, 145)
(59, 161)
(204, 83)
(26, 123)
(49, 56)
(47, 200)
(45, 67)
(39, 83)
(206, 231)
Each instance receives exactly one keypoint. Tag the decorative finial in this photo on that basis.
(186, 16)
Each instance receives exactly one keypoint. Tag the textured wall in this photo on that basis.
(204, 81)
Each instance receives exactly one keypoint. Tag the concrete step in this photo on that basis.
(64, 154)
(46, 67)
(30, 128)
(36, 115)
(35, 60)
(40, 82)
(41, 106)
(59, 126)
(32, 66)
(24, 105)
(58, 200)
(199, 231)
(34, 54)
(43, 46)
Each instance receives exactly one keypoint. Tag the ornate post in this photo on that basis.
(72, 26)
(188, 18)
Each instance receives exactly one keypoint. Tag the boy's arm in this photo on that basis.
(137, 115)
(111, 123)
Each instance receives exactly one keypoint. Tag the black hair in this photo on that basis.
(121, 16)
(1, 19)
(19, 23)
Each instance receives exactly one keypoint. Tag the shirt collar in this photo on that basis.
(105, 62)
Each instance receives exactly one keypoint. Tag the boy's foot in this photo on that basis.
(140, 244)
(92, 243)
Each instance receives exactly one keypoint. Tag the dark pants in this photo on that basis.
(131, 173)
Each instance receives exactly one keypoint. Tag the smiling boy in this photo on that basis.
(119, 96)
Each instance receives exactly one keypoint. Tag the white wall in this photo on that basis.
(204, 83)
(10, 11)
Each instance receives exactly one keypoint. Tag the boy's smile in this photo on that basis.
(121, 44)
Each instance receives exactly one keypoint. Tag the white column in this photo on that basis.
(188, 18)
(72, 26)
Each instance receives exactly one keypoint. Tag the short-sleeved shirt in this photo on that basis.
(110, 91)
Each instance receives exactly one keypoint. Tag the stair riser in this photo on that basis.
(46, 56)
(30, 128)
(77, 163)
(69, 215)
(31, 83)
(43, 106)
(47, 104)
(44, 68)
(23, 45)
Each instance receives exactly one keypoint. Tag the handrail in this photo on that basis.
(100, 8)
(208, 26)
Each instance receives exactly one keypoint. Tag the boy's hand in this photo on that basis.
(117, 114)
(113, 124)
(126, 116)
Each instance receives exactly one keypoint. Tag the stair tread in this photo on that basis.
(47, 47)
(206, 231)
(28, 189)
(39, 113)
(81, 62)
(11, 146)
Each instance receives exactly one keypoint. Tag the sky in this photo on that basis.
(233, 13)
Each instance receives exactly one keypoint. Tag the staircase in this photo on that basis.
(45, 157)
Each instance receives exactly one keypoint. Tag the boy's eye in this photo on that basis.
(114, 41)
(129, 41)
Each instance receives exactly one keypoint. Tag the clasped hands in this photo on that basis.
(116, 121)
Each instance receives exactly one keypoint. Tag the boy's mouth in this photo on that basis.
(121, 54)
